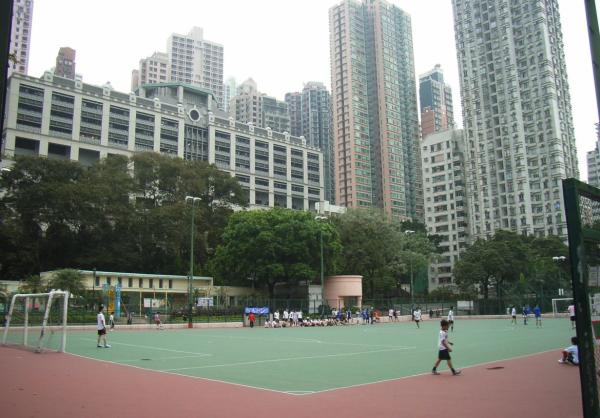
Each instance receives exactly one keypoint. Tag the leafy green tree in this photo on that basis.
(32, 284)
(274, 246)
(69, 280)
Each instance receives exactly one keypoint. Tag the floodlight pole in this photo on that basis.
(322, 218)
(192, 200)
(412, 297)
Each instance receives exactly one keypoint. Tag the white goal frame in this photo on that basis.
(555, 312)
(50, 297)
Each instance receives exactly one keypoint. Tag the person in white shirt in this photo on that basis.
(286, 315)
(513, 314)
(444, 350)
(300, 316)
(101, 327)
(390, 315)
(571, 353)
(451, 318)
(294, 316)
(276, 316)
(571, 310)
(417, 316)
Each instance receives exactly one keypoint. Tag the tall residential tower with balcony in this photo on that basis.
(519, 138)
(375, 117)
(20, 36)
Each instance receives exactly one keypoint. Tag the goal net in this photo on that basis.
(38, 321)
(560, 305)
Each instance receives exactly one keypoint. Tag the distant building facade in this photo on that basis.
(153, 69)
(446, 203)
(20, 37)
(60, 118)
(65, 63)
(435, 99)
(374, 105)
(593, 161)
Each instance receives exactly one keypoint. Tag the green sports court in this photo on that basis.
(308, 360)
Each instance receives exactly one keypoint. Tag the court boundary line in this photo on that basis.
(154, 348)
(245, 363)
(303, 393)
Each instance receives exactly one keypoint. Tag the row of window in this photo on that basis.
(140, 282)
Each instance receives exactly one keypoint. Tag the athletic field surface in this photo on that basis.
(381, 370)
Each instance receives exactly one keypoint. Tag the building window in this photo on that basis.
(151, 283)
(140, 283)
(170, 284)
(160, 283)
(119, 281)
(130, 282)
(97, 281)
(108, 281)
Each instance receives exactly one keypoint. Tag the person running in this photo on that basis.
(538, 316)
(451, 318)
(417, 316)
(111, 321)
(571, 353)
(101, 327)
(444, 350)
(513, 314)
(571, 310)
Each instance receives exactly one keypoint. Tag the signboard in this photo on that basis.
(257, 310)
(152, 303)
(464, 305)
(205, 302)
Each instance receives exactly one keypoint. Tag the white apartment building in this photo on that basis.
(229, 92)
(593, 162)
(61, 118)
(194, 60)
(153, 69)
(20, 37)
(443, 165)
(519, 137)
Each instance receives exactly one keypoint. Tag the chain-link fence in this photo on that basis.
(582, 205)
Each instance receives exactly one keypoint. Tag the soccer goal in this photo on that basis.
(38, 321)
(560, 305)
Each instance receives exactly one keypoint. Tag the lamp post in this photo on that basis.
(412, 297)
(321, 218)
(94, 287)
(192, 201)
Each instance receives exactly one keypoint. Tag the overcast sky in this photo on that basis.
(281, 44)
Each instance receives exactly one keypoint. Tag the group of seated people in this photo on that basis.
(295, 319)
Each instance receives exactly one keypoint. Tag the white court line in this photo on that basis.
(244, 363)
(424, 374)
(179, 374)
(299, 393)
(303, 340)
(163, 358)
(153, 348)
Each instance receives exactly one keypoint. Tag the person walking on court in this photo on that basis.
(101, 327)
(444, 350)
(513, 314)
(571, 310)
(251, 319)
(417, 316)
(111, 321)
(451, 318)
(538, 316)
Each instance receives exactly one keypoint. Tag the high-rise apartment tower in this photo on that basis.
(374, 103)
(435, 99)
(519, 139)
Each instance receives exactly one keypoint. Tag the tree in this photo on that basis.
(32, 284)
(69, 280)
(274, 246)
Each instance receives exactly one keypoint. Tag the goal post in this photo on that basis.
(25, 317)
(560, 305)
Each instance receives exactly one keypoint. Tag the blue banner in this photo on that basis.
(257, 310)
